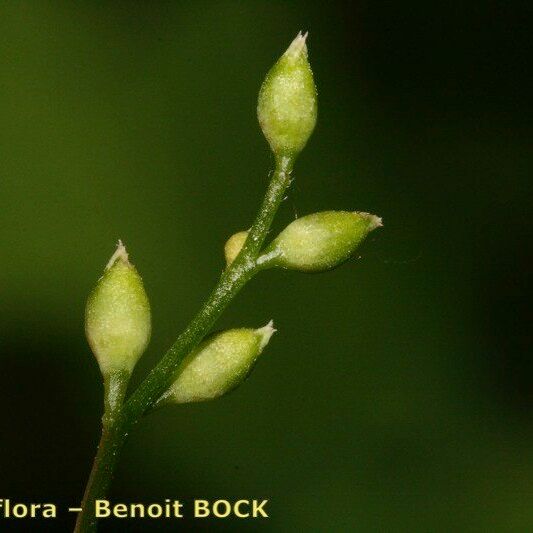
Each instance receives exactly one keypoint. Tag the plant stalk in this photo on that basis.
(241, 270)
(111, 441)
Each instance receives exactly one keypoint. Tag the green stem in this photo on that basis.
(115, 387)
(111, 441)
(232, 280)
(161, 376)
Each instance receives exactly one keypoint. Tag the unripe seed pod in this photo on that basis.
(234, 245)
(117, 316)
(320, 241)
(218, 365)
(287, 106)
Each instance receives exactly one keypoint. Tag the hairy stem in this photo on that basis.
(232, 280)
(115, 387)
(241, 270)
(111, 441)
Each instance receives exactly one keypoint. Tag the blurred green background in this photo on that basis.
(397, 394)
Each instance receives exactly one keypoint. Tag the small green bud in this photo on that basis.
(234, 245)
(117, 316)
(218, 365)
(320, 241)
(287, 108)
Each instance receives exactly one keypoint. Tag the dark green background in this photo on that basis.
(397, 394)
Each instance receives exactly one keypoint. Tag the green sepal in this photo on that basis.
(320, 241)
(117, 316)
(218, 365)
(287, 103)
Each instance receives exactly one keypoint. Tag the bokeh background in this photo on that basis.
(397, 394)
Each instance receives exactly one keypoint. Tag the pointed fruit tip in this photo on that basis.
(373, 220)
(120, 254)
(298, 46)
(266, 333)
